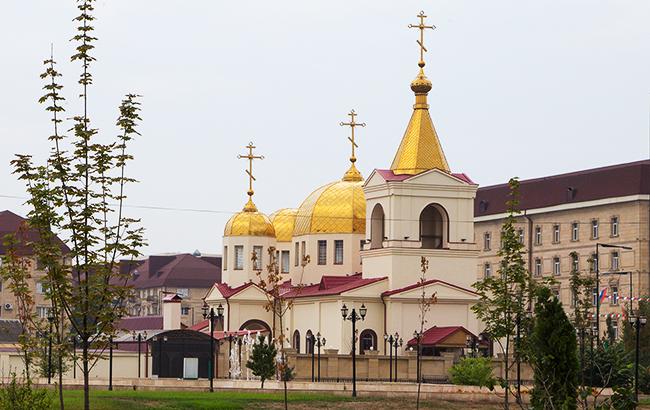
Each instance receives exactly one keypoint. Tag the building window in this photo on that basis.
(239, 257)
(520, 235)
(284, 261)
(574, 299)
(43, 311)
(614, 223)
(594, 293)
(556, 266)
(309, 342)
(575, 262)
(225, 258)
(296, 255)
(538, 235)
(615, 261)
(556, 233)
(367, 341)
(594, 229)
(303, 251)
(185, 310)
(575, 231)
(615, 327)
(487, 270)
(338, 252)
(538, 267)
(257, 253)
(594, 262)
(39, 288)
(322, 252)
(614, 299)
(183, 292)
(487, 241)
(296, 340)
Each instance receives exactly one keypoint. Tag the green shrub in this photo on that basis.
(473, 372)
(21, 395)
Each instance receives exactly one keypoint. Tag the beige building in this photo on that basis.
(574, 212)
(12, 224)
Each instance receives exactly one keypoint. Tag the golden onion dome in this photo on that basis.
(249, 222)
(338, 207)
(283, 221)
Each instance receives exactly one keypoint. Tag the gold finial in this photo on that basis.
(421, 27)
(353, 174)
(250, 206)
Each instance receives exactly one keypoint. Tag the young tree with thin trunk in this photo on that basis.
(78, 194)
(424, 304)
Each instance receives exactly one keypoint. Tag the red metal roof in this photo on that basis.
(437, 335)
(226, 291)
(428, 282)
(389, 175)
(141, 323)
(331, 285)
(10, 223)
(599, 183)
(182, 270)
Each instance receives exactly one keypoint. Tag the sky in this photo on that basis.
(520, 88)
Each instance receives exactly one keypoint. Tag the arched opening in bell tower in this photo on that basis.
(433, 219)
(377, 227)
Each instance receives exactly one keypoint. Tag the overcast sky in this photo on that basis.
(520, 88)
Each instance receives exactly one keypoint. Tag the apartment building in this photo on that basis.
(575, 212)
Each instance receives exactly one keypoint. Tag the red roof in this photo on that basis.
(10, 223)
(437, 335)
(172, 298)
(141, 323)
(599, 183)
(182, 270)
(428, 282)
(331, 285)
(226, 291)
(389, 175)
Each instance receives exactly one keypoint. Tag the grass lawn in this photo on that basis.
(172, 400)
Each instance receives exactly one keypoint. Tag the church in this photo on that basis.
(360, 243)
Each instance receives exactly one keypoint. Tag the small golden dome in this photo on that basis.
(421, 84)
(284, 221)
(249, 223)
(338, 207)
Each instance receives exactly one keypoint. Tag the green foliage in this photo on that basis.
(473, 371)
(642, 308)
(553, 355)
(609, 366)
(262, 360)
(22, 395)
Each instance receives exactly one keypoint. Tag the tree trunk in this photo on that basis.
(262, 383)
(86, 372)
(506, 363)
(61, 406)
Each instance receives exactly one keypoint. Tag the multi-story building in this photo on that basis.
(188, 275)
(574, 212)
(12, 224)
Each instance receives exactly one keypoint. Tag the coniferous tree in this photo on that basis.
(553, 355)
(262, 360)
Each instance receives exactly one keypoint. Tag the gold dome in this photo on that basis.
(249, 223)
(283, 221)
(338, 207)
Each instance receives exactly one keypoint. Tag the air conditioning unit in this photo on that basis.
(9, 306)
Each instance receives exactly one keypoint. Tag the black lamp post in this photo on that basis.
(637, 322)
(597, 266)
(312, 344)
(50, 319)
(471, 343)
(397, 342)
(211, 316)
(389, 339)
(353, 317)
(320, 341)
(139, 338)
(418, 339)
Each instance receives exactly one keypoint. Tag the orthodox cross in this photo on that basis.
(250, 157)
(421, 27)
(353, 124)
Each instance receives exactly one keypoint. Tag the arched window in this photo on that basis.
(309, 342)
(367, 341)
(432, 227)
(296, 341)
(255, 324)
(377, 227)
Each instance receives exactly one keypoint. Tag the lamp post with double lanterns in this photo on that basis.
(418, 339)
(208, 313)
(597, 269)
(637, 323)
(397, 342)
(390, 339)
(353, 317)
(320, 342)
(138, 337)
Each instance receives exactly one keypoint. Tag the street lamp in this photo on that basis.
(139, 338)
(397, 342)
(310, 346)
(320, 341)
(50, 319)
(637, 322)
(418, 338)
(353, 317)
(208, 313)
(390, 339)
(597, 266)
(471, 343)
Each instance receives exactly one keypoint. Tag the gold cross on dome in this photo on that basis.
(353, 124)
(421, 27)
(250, 157)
